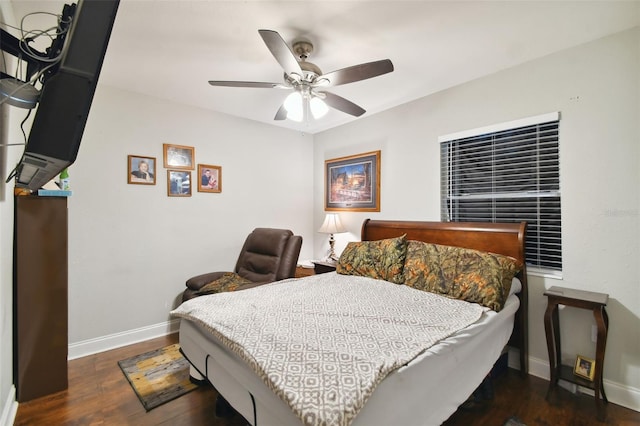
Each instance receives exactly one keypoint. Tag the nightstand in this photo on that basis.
(595, 302)
(303, 272)
(324, 267)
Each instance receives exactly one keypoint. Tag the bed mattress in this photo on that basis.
(426, 391)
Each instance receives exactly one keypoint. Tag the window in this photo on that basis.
(507, 173)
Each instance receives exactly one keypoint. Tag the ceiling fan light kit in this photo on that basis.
(304, 78)
(299, 104)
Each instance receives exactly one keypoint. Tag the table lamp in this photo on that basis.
(332, 225)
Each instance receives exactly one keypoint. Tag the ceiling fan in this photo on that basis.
(307, 80)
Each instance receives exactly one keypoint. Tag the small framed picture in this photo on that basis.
(178, 183)
(178, 156)
(210, 178)
(141, 170)
(585, 368)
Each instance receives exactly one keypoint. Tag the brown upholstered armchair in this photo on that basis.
(267, 255)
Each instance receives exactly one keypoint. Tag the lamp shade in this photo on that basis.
(318, 108)
(332, 225)
(294, 104)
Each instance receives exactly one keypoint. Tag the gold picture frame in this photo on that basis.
(210, 178)
(353, 183)
(178, 183)
(178, 156)
(585, 368)
(141, 170)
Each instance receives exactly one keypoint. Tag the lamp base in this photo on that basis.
(332, 254)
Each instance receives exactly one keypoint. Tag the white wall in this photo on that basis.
(131, 247)
(596, 87)
(7, 161)
(8, 158)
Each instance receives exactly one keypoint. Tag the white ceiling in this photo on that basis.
(170, 48)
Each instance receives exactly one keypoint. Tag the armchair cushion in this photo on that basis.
(229, 281)
(196, 283)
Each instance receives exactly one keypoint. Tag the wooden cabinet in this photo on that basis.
(40, 296)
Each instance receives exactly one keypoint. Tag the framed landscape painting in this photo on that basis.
(353, 183)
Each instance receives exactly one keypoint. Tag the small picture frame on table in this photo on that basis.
(141, 170)
(178, 183)
(210, 178)
(585, 368)
(178, 156)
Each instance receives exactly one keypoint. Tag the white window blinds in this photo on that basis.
(508, 173)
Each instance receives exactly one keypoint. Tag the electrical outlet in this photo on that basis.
(594, 333)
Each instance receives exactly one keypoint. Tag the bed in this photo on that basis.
(421, 386)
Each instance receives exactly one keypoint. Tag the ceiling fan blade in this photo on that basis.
(342, 104)
(281, 52)
(281, 114)
(254, 84)
(357, 72)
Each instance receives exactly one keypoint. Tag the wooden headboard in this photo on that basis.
(500, 238)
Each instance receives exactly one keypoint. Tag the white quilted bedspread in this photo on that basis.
(323, 343)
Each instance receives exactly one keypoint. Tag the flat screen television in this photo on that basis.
(66, 95)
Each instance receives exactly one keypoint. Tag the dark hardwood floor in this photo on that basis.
(99, 394)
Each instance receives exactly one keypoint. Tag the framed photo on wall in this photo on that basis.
(585, 368)
(353, 183)
(141, 170)
(210, 178)
(178, 183)
(178, 156)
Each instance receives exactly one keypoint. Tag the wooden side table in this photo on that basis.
(324, 267)
(303, 272)
(596, 302)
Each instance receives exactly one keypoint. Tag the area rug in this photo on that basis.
(158, 376)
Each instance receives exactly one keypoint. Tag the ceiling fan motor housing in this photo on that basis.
(303, 48)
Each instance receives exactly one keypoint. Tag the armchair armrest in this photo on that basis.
(196, 283)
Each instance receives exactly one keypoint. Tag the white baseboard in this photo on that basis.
(117, 340)
(9, 409)
(619, 394)
(624, 395)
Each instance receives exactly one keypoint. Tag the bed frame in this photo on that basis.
(500, 238)
(505, 239)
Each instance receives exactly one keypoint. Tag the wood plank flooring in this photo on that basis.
(99, 394)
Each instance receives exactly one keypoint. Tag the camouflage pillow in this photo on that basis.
(230, 281)
(382, 259)
(461, 273)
